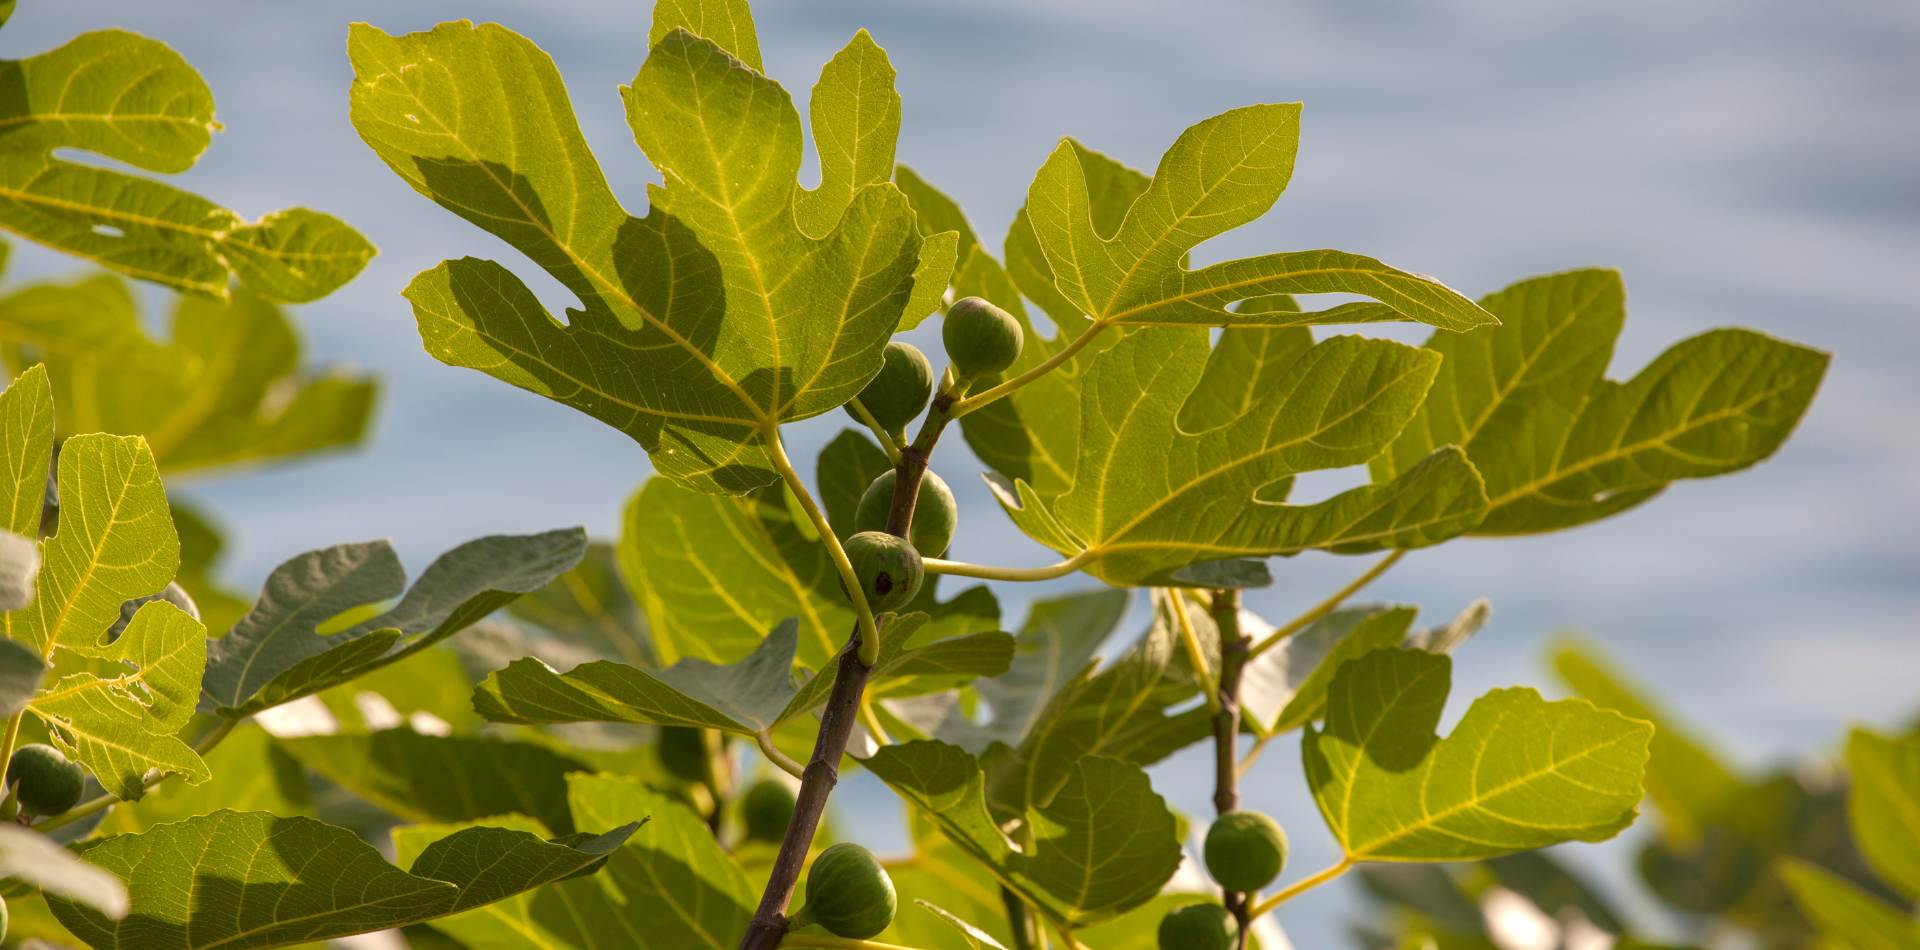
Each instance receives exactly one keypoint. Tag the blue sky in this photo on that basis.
(1752, 162)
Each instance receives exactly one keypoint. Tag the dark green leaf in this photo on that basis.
(1104, 845)
(249, 880)
(846, 467)
(590, 607)
(444, 779)
(273, 655)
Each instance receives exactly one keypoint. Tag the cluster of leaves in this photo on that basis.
(1805, 856)
(246, 753)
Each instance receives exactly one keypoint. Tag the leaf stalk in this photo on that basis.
(934, 565)
(1300, 887)
(1329, 605)
(868, 632)
(980, 400)
(887, 441)
(773, 754)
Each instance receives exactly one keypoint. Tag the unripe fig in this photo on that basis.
(1245, 850)
(889, 569)
(901, 390)
(848, 892)
(766, 809)
(934, 513)
(981, 339)
(683, 752)
(47, 781)
(1203, 926)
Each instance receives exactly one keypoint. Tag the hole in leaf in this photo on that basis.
(108, 230)
(354, 615)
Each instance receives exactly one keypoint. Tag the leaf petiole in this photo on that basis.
(1066, 353)
(887, 441)
(1300, 887)
(1194, 653)
(934, 565)
(1328, 606)
(869, 632)
(779, 759)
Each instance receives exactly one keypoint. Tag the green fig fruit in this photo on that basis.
(889, 569)
(848, 892)
(981, 339)
(48, 782)
(935, 514)
(766, 809)
(1245, 850)
(1203, 926)
(901, 390)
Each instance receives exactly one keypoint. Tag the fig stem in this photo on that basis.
(1327, 606)
(887, 441)
(934, 565)
(1300, 887)
(1066, 353)
(779, 759)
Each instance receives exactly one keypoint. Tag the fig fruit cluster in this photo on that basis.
(1245, 851)
(935, 514)
(848, 893)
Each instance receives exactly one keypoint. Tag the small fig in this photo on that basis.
(889, 569)
(766, 809)
(981, 339)
(1203, 926)
(848, 892)
(48, 782)
(1245, 850)
(901, 390)
(934, 513)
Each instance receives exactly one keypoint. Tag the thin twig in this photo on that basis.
(1300, 887)
(934, 565)
(1066, 353)
(1328, 606)
(887, 441)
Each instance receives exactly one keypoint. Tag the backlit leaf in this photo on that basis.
(1343, 635)
(1884, 805)
(1517, 773)
(26, 446)
(1104, 845)
(134, 100)
(1217, 176)
(1153, 492)
(250, 880)
(1558, 444)
(250, 773)
(1847, 917)
(703, 325)
(1054, 645)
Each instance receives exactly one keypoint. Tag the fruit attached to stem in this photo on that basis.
(935, 515)
(901, 390)
(889, 569)
(1245, 850)
(1203, 926)
(48, 783)
(981, 339)
(848, 892)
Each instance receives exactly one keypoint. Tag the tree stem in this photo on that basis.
(1226, 730)
(769, 924)
(1328, 606)
(1018, 922)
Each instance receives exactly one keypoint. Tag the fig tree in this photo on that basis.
(48, 783)
(981, 339)
(888, 568)
(766, 809)
(934, 513)
(901, 390)
(1203, 926)
(848, 892)
(1245, 850)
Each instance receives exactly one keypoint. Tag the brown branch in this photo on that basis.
(769, 924)
(1226, 728)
